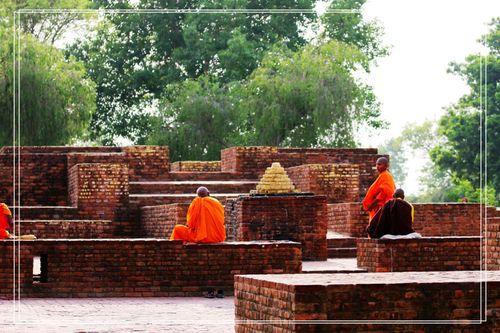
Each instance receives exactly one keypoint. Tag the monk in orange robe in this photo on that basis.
(5, 222)
(205, 221)
(381, 190)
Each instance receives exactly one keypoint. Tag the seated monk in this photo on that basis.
(381, 190)
(394, 218)
(5, 222)
(205, 221)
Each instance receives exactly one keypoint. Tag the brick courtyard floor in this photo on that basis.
(175, 314)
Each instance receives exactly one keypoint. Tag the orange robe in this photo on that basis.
(381, 190)
(205, 222)
(4, 221)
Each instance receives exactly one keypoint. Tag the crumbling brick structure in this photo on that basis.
(338, 182)
(300, 218)
(398, 298)
(422, 254)
(138, 267)
(433, 219)
(252, 161)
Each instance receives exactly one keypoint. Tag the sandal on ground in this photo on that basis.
(220, 294)
(210, 294)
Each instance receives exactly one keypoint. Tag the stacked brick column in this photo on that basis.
(301, 218)
(100, 191)
(338, 182)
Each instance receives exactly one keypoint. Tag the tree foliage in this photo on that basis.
(132, 57)
(56, 101)
(305, 98)
(461, 126)
(46, 27)
(355, 30)
(308, 98)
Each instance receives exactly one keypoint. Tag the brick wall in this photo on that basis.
(493, 243)
(67, 228)
(300, 218)
(252, 161)
(435, 219)
(348, 219)
(140, 267)
(41, 180)
(159, 221)
(424, 254)
(100, 191)
(364, 296)
(58, 150)
(195, 166)
(147, 162)
(338, 182)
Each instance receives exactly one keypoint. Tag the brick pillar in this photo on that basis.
(147, 162)
(100, 192)
(338, 182)
(300, 218)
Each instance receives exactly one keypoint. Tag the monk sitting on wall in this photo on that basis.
(381, 190)
(205, 221)
(5, 222)
(394, 218)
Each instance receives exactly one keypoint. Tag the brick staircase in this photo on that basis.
(181, 187)
(340, 246)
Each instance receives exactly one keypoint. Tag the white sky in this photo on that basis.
(412, 83)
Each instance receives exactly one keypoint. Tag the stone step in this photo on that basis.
(190, 186)
(66, 229)
(342, 252)
(341, 242)
(206, 175)
(140, 200)
(45, 212)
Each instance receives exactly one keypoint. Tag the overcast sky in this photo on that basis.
(412, 83)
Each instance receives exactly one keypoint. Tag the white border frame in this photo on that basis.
(16, 157)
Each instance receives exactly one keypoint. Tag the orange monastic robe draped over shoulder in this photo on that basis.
(205, 222)
(381, 190)
(4, 221)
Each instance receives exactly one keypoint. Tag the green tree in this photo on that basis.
(46, 27)
(353, 29)
(305, 98)
(460, 153)
(308, 98)
(133, 57)
(56, 101)
(198, 119)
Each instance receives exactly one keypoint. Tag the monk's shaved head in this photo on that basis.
(399, 193)
(382, 160)
(202, 192)
(382, 164)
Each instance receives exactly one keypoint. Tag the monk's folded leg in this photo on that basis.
(4, 234)
(181, 232)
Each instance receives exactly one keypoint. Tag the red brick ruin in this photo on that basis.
(103, 215)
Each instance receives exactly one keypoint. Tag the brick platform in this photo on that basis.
(195, 166)
(299, 218)
(364, 296)
(338, 182)
(159, 221)
(67, 228)
(424, 254)
(140, 267)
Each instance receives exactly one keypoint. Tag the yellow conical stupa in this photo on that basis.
(275, 180)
